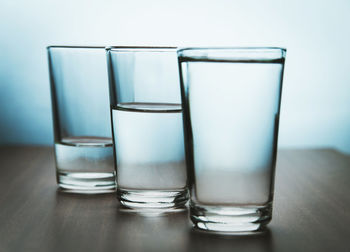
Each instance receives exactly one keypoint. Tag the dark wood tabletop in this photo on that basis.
(311, 211)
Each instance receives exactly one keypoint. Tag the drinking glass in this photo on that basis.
(147, 128)
(231, 100)
(81, 119)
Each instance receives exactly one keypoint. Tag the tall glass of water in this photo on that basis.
(147, 128)
(81, 119)
(231, 99)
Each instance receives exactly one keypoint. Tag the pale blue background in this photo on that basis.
(316, 95)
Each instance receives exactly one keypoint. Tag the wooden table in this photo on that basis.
(311, 211)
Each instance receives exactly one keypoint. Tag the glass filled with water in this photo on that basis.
(81, 118)
(231, 99)
(147, 128)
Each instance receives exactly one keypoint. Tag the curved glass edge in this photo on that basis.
(73, 47)
(141, 48)
(233, 54)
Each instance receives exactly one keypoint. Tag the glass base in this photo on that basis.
(86, 182)
(153, 200)
(231, 220)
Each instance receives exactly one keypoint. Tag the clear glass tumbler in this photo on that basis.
(231, 100)
(147, 128)
(81, 119)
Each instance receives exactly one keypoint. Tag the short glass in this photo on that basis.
(147, 128)
(81, 119)
(231, 99)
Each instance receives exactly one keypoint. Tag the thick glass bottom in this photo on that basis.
(86, 182)
(231, 220)
(153, 200)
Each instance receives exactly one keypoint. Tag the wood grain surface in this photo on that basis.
(311, 211)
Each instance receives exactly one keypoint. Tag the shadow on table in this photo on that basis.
(203, 241)
(167, 232)
(97, 222)
(174, 232)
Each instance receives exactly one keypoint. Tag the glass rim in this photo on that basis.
(73, 47)
(232, 54)
(141, 48)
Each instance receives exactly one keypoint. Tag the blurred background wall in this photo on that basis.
(316, 97)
